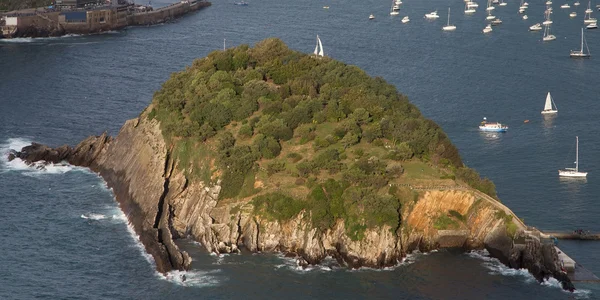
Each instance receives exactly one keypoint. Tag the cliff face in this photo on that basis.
(162, 205)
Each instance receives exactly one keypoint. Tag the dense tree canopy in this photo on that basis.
(343, 134)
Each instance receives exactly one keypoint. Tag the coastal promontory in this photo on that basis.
(269, 149)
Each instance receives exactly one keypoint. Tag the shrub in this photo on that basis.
(295, 157)
(277, 206)
(275, 167)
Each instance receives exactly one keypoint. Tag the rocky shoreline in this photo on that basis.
(162, 205)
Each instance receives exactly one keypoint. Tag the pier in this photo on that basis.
(574, 235)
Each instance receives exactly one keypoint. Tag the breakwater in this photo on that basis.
(42, 22)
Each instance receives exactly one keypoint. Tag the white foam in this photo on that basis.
(192, 278)
(36, 169)
(138, 244)
(498, 268)
(93, 216)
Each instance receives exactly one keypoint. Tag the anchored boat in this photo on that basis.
(492, 127)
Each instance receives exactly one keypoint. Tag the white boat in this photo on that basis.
(566, 5)
(395, 10)
(573, 172)
(432, 15)
(548, 106)
(548, 2)
(398, 2)
(405, 19)
(487, 29)
(496, 22)
(580, 53)
(535, 27)
(502, 3)
(472, 4)
(547, 22)
(588, 15)
(525, 4)
(490, 17)
(489, 6)
(469, 10)
(547, 36)
(319, 48)
(371, 17)
(495, 1)
(576, 3)
(573, 15)
(525, 17)
(493, 127)
(521, 10)
(592, 26)
(449, 27)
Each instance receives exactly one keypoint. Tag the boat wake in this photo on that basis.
(496, 267)
(36, 169)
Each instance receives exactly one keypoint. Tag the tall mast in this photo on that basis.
(448, 16)
(577, 155)
(223, 44)
(581, 39)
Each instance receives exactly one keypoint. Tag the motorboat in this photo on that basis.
(535, 27)
(496, 22)
(492, 126)
(432, 15)
(371, 17)
(592, 26)
(405, 19)
(487, 29)
(573, 15)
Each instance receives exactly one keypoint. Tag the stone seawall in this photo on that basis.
(165, 14)
(43, 23)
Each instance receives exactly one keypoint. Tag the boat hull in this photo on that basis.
(567, 173)
(486, 129)
(545, 112)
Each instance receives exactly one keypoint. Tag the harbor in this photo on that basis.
(89, 17)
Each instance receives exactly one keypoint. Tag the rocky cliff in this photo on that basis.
(163, 205)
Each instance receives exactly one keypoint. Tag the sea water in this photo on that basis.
(64, 236)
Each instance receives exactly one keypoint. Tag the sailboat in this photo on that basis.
(395, 9)
(490, 16)
(319, 48)
(573, 172)
(502, 3)
(449, 27)
(548, 106)
(588, 15)
(547, 16)
(489, 6)
(547, 36)
(580, 53)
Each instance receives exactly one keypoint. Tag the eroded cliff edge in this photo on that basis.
(163, 205)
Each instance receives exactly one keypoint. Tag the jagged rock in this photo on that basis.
(162, 205)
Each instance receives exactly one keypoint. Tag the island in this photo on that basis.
(272, 150)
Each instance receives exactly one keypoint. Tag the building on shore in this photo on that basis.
(93, 17)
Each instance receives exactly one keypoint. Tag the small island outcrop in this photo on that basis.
(269, 149)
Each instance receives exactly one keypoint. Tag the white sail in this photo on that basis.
(321, 53)
(317, 46)
(548, 105)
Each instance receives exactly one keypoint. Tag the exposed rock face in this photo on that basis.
(162, 204)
